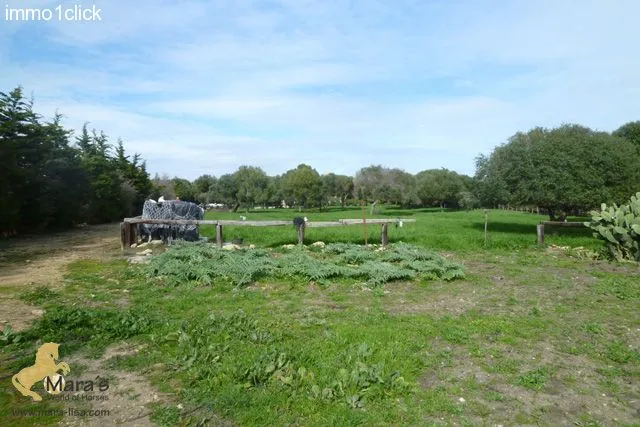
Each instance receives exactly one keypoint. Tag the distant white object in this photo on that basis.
(305, 219)
(243, 218)
(161, 199)
(400, 224)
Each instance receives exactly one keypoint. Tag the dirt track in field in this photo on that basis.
(31, 261)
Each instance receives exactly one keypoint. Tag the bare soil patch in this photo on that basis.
(31, 261)
(127, 397)
(492, 398)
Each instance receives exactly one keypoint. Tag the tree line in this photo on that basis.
(564, 170)
(304, 187)
(53, 179)
(50, 179)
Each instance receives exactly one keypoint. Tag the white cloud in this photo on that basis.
(202, 87)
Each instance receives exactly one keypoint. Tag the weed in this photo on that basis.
(39, 295)
(621, 288)
(535, 379)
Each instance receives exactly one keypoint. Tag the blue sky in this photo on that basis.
(206, 86)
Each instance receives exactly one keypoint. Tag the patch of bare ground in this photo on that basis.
(125, 402)
(571, 389)
(400, 299)
(41, 260)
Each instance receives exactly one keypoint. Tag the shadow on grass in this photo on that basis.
(519, 228)
(396, 211)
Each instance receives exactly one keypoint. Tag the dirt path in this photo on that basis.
(32, 261)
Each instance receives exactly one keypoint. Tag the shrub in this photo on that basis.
(619, 227)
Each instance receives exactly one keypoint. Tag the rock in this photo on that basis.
(139, 260)
(133, 245)
(143, 245)
(146, 252)
(155, 242)
(288, 246)
(461, 400)
(252, 246)
(318, 244)
(37, 312)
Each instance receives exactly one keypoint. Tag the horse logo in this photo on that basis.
(45, 369)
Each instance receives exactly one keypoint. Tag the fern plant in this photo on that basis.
(203, 264)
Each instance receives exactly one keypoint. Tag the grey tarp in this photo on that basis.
(172, 209)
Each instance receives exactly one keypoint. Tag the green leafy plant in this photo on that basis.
(9, 336)
(619, 227)
(203, 264)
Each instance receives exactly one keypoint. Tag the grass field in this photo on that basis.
(529, 336)
(449, 230)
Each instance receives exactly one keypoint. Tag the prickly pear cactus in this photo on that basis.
(619, 227)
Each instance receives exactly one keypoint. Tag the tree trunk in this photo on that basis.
(373, 206)
(236, 207)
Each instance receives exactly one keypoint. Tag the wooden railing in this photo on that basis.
(129, 229)
(540, 227)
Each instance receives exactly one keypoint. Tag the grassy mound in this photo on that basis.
(203, 264)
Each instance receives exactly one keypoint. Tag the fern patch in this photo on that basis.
(202, 264)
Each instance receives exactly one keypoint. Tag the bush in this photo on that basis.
(619, 227)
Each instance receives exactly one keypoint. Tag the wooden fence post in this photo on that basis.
(301, 234)
(486, 220)
(540, 232)
(219, 235)
(364, 222)
(122, 235)
(385, 236)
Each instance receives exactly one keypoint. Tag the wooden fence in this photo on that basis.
(129, 230)
(540, 227)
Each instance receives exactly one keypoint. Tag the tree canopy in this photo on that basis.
(439, 187)
(568, 168)
(377, 183)
(47, 181)
(629, 131)
(302, 187)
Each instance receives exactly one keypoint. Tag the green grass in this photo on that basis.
(300, 342)
(449, 230)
